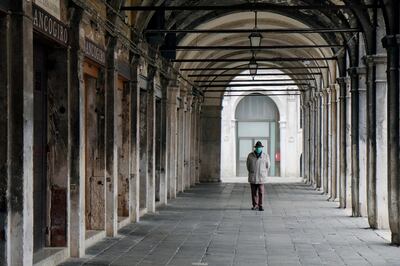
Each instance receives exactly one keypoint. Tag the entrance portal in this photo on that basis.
(257, 120)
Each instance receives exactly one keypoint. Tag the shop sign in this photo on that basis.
(50, 6)
(94, 52)
(50, 26)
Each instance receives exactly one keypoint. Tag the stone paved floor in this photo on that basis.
(212, 224)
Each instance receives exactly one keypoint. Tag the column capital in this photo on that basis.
(182, 91)
(353, 71)
(174, 88)
(282, 124)
(342, 81)
(333, 87)
(375, 59)
(326, 91)
(134, 60)
(189, 102)
(391, 41)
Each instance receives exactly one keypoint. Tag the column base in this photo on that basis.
(211, 180)
(395, 239)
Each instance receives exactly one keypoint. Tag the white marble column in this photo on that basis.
(381, 142)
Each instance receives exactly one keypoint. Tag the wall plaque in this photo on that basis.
(95, 52)
(50, 26)
(50, 6)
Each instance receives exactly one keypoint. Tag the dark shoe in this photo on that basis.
(254, 208)
(261, 209)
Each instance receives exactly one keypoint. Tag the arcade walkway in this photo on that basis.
(212, 224)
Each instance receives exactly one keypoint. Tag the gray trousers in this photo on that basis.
(257, 194)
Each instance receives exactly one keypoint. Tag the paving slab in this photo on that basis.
(212, 224)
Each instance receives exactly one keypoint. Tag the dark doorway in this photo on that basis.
(95, 144)
(40, 204)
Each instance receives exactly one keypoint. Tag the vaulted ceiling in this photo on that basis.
(272, 14)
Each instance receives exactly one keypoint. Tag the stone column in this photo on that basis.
(19, 231)
(164, 184)
(143, 147)
(342, 141)
(380, 219)
(312, 141)
(318, 141)
(193, 143)
(187, 139)
(282, 129)
(362, 138)
(349, 151)
(111, 145)
(77, 167)
(198, 139)
(355, 152)
(307, 144)
(391, 43)
(182, 138)
(333, 121)
(304, 161)
(172, 139)
(315, 142)
(134, 147)
(371, 141)
(325, 120)
(181, 144)
(151, 148)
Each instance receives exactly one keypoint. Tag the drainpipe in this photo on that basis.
(391, 43)
(342, 141)
(371, 141)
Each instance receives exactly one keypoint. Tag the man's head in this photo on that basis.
(258, 147)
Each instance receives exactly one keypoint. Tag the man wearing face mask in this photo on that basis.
(258, 164)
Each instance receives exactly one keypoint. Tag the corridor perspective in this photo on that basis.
(126, 128)
(212, 224)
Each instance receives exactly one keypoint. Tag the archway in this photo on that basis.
(257, 119)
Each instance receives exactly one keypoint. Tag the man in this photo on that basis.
(258, 164)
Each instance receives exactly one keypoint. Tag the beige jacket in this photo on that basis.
(258, 168)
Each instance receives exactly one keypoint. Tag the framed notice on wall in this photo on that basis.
(50, 6)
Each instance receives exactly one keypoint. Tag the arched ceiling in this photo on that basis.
(291, 18)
